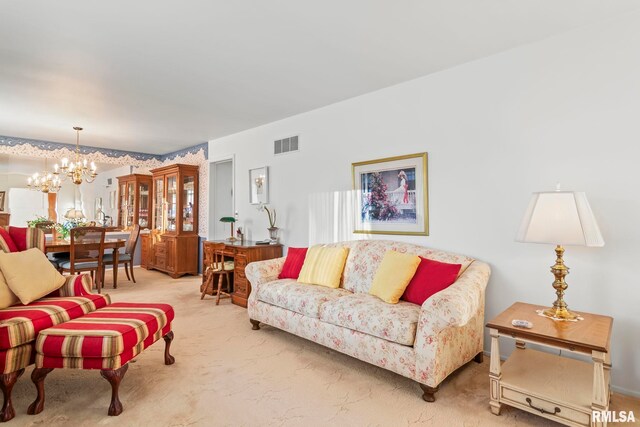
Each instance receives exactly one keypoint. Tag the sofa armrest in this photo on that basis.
(76, 286)
(260, 272)
(459, 303)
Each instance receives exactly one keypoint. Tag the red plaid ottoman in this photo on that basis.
(105, 339)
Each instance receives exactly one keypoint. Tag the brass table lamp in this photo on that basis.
(560, 218)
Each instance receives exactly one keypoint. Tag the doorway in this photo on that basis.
(221, 184)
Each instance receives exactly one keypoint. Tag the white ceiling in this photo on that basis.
(160, 75)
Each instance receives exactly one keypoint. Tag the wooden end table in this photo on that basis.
(558, 388)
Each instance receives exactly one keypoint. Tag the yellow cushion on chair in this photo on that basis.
(393, 276)
(228, 266)
(29, 274)
(323, 266)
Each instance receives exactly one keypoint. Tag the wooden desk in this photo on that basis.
(558, 388)
(4, 218)
(115, 244)
(242, 252)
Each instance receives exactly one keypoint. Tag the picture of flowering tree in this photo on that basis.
(391, 195)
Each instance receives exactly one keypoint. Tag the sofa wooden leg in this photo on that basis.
(7, 381)
(115, 376)
(37, 376)
(168, 358)
(255, 324)
(429, 394)
(479, 358)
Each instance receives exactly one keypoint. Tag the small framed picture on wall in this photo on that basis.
(391, 195)
(259, 185)
(2, 194)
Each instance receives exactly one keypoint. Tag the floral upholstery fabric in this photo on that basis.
(449, 329)
(451, 325)
(299, 297)
(365, 257)
(370, 315)
(392, 356)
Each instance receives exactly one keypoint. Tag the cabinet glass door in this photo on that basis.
(143, 205)
(131, 201)
(172, 202)
(158, 214)
(122, 221)
(188, 199)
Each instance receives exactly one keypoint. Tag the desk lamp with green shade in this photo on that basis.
(562, 218)
(230, 220)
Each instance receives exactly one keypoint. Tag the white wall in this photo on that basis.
(564, 109)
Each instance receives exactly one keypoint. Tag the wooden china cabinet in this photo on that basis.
(172, 244)
(134, 203)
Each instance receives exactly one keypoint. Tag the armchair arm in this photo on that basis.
(76, 286)
(260, 272)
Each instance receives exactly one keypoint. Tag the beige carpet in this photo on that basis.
(227, 374)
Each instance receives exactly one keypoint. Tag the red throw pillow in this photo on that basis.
(19, 236)
(8, 240)
(293, 263)
(431, 277)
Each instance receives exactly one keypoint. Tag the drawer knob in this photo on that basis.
(542, 410)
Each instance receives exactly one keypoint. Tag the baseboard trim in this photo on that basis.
(615, 388)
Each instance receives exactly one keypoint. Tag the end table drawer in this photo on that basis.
(552, 410)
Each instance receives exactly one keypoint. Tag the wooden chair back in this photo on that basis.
(87, 245)
(218, 256)
(133, 240)
(46, 226)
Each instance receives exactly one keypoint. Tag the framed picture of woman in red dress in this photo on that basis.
(391, 195)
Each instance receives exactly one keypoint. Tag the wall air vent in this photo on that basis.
(285, 145)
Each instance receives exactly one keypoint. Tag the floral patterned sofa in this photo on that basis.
(425, 343)
(20, 324)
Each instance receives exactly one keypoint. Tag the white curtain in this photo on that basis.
(331, 217)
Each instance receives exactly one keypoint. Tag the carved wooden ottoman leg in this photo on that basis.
(114, 376)
(479, 358)
(255, 323)
(168, 358)
(37, 376)
(7, 381)
(429, 394)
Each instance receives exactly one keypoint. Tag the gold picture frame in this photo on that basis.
(392, 195)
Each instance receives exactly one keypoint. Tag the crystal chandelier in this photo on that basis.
(47, 182)
(78, 170)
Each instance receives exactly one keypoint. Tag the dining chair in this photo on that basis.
(127, 257)
(87, 252)
(218, 269)
(48, 227)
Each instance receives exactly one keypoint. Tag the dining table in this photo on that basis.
(114, 244)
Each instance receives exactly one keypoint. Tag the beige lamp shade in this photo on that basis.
(560, 218)
(74, 214)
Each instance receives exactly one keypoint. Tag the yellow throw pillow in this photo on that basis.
(29, 274)
(7, 298)
(323, 266)
(393, 276)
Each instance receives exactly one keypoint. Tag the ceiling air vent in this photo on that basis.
(285, 145)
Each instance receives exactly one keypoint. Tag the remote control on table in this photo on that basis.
(522, 324)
